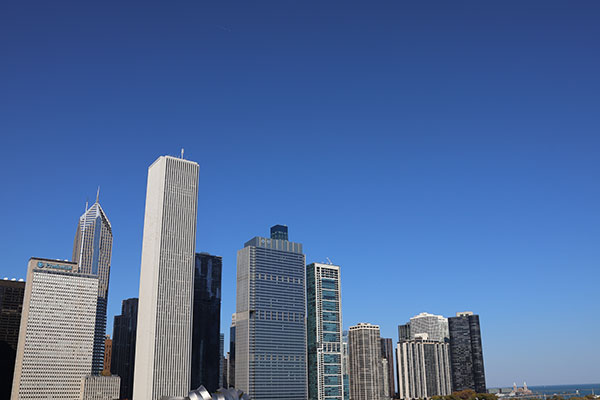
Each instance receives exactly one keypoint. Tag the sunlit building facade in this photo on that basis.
(56, 337)
(270, 345)
(324, 327)
(92, 251)
(164, 329)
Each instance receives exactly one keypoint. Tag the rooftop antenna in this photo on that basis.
(182, 153)
(86, 205)
(329, 261)
(98, 194)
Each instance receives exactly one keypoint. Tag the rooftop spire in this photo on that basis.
(98, 194)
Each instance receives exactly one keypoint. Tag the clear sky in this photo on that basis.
(445, 154)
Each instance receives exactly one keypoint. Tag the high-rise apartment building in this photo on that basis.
(164, 331)
(206, 355)
(435, 326)
(387, 353)
(324, 327)
(11, 305)
(231, 362)
(466, 353)
(56, 337)
(423, 369)
(404, 332)
(107, 355)
(92, 251)
(123, 348)
(270, 345)
(366, 368)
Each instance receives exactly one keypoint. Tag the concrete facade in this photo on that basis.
(164, 329)
(56, 336)
(98, 387)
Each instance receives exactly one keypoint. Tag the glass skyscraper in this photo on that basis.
(270, 345)
(324, 327)
(466, 353)
(123, 351)
(92, 250)
(206, 353)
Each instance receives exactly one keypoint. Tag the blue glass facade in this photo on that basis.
(325, 379)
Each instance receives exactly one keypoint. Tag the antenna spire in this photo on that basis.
(98, 194)
(182, 153)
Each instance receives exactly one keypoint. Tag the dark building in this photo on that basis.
(11, 304)
(466, 353)
(231, 364)
(123, 346)
(206, 333)
(279, 232)
(403, 332)
(387, 352)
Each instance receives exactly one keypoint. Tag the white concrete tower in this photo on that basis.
(163, 346)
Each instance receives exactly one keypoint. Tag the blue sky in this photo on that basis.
(445, 154)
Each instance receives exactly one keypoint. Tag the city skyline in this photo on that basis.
(473, 178)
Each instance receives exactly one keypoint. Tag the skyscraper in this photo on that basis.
(123, 353)
(270, 345)
(107, 355)
(324, 327)
(387, 352)
(164, 343)
(221, 359)
(466, 353)
(231, 364)
(365, 362)
(11, 305)
(206, 356)
(435, 326)
(56, 338)
(423, 369)
(345, 364)
(92, 250)
(404, 332)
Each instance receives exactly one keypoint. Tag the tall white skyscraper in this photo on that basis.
(435, 326)
(366, 368)
(56, 337)
(164, 344)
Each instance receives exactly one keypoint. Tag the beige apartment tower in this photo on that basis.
(56, 338)
(366, 367)
(164, 328)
